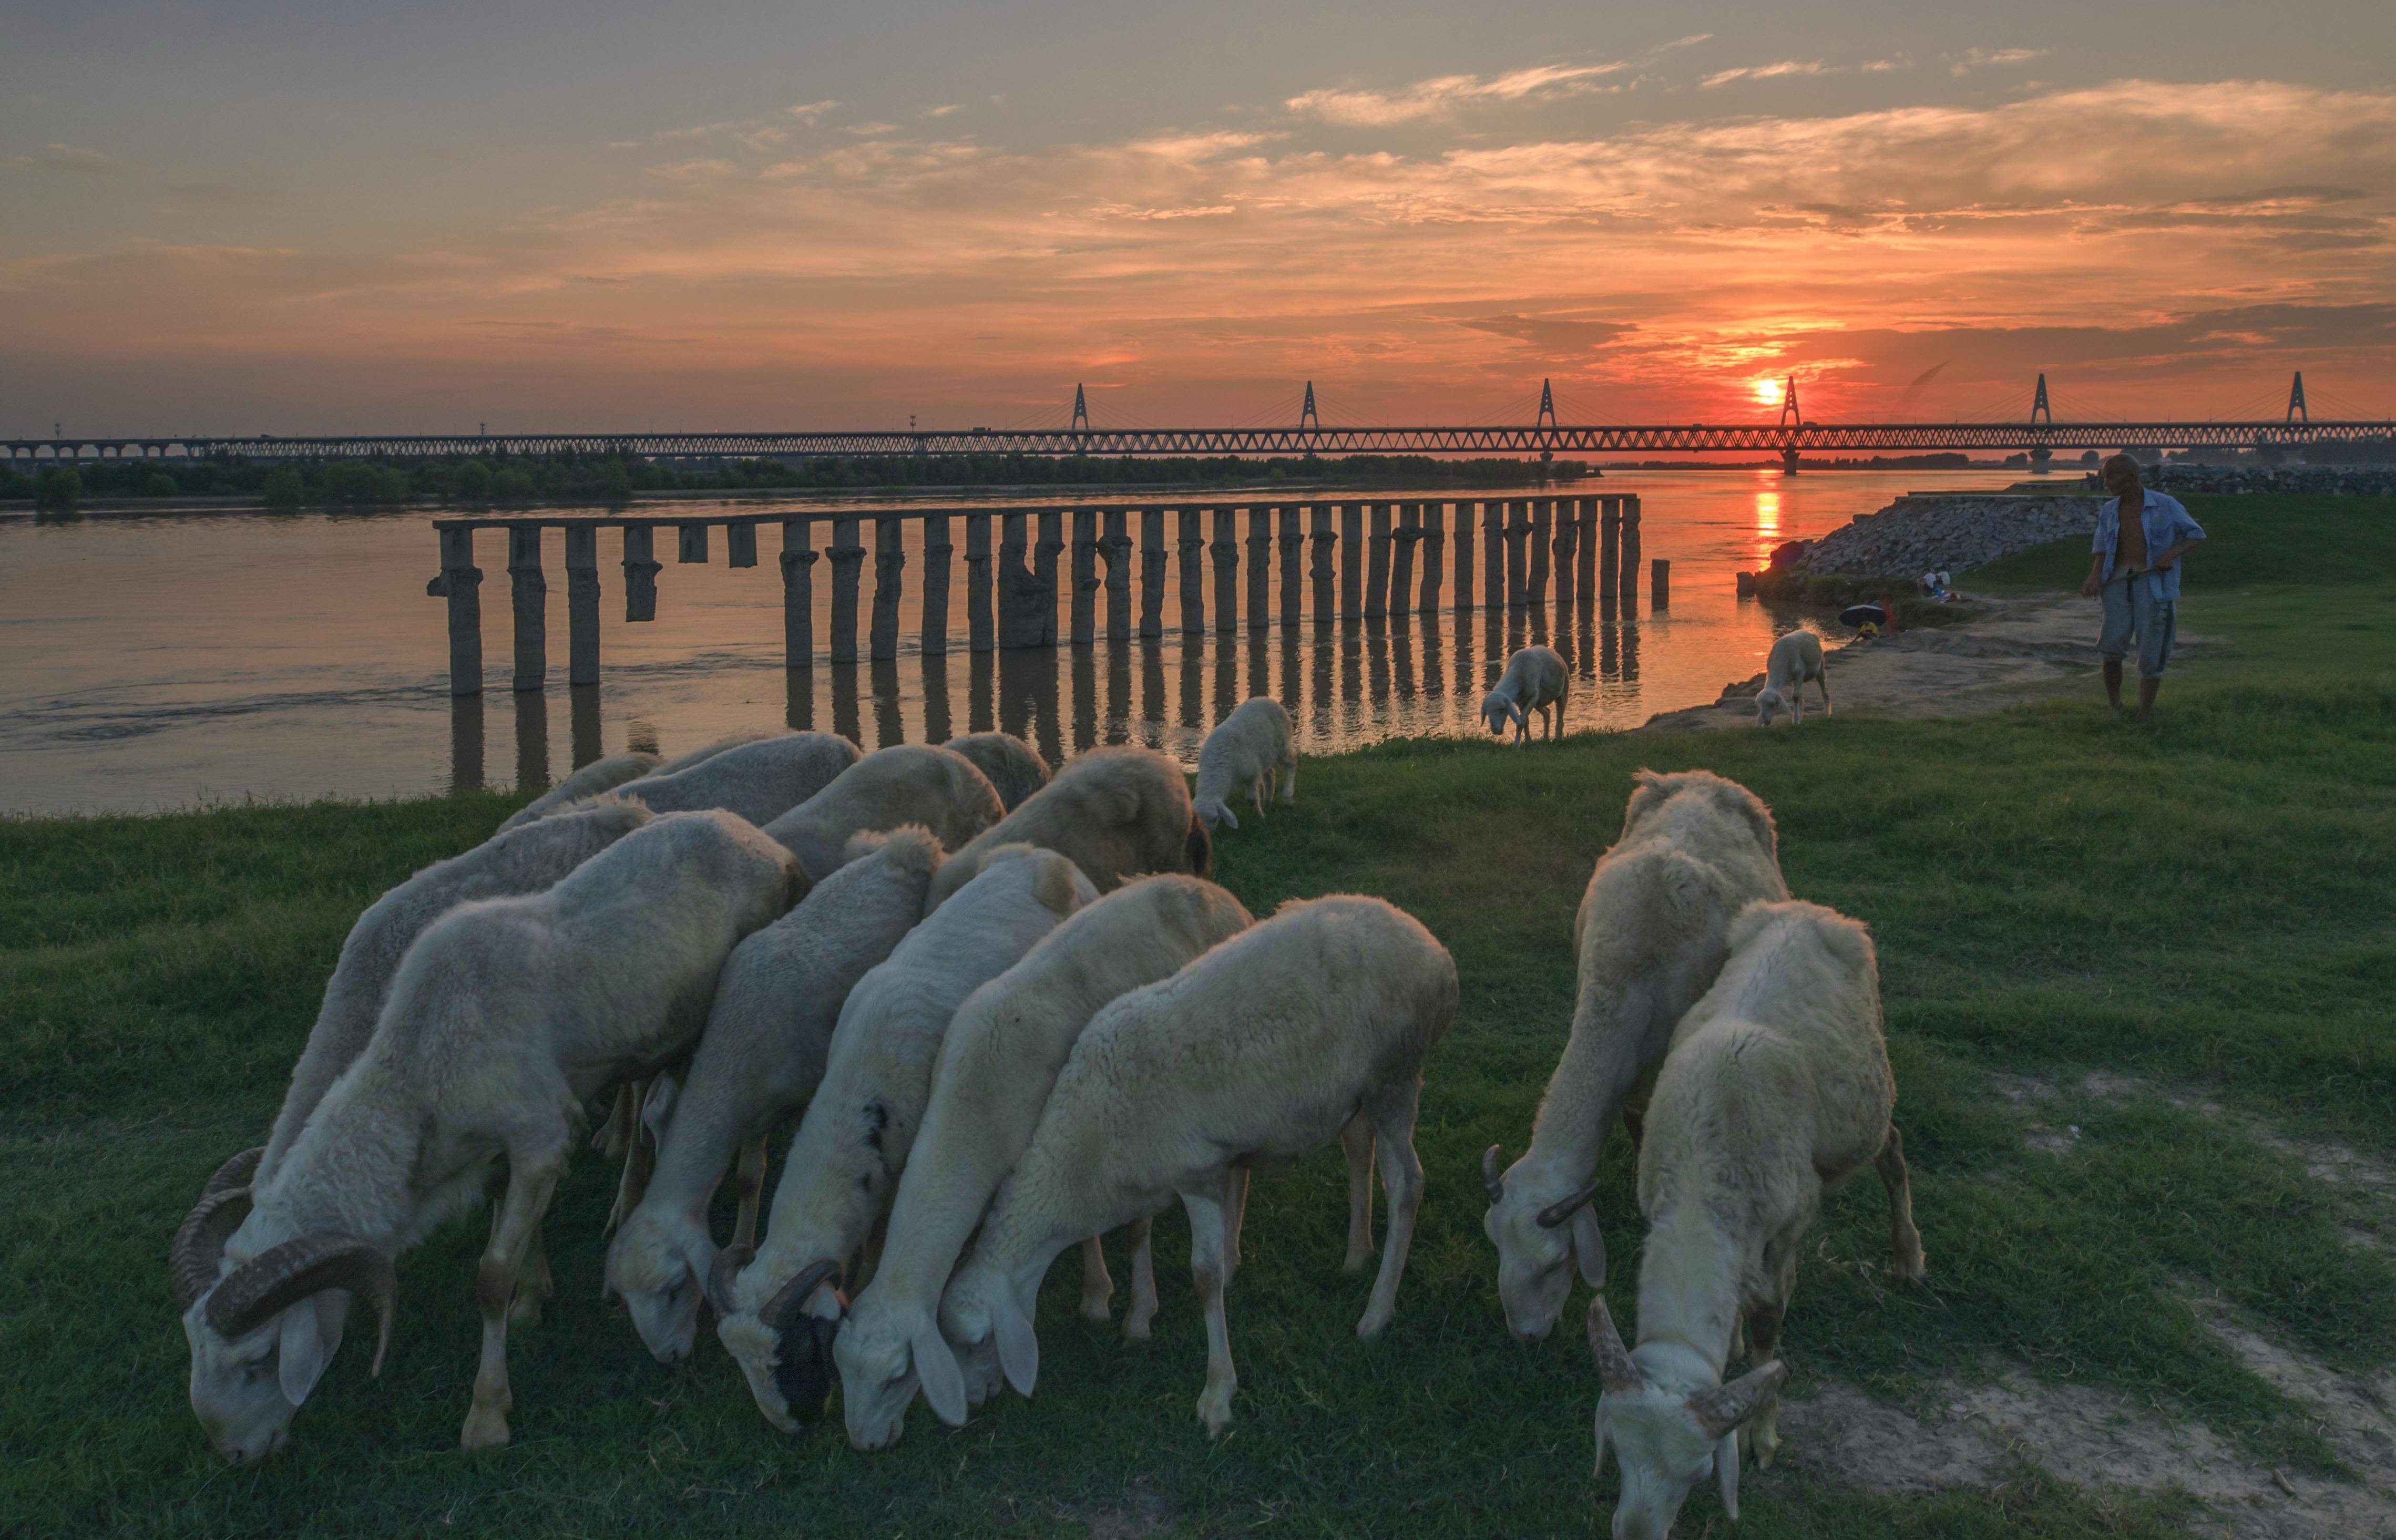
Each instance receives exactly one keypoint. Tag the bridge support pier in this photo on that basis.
(1352, 560)
(980, 631)
(1086, 576)
(1152, 573)
(641, 569)
(1789, 461)
(461, 583)
(1293, 543)
(890, 580)
(1464, 557)
(1518, 578)
(1434, 555)
(1259, 569)
(1377, 573)
(798, 595)
(937, 557)
(1543, 517)
(740, 544)
(1226, 554)
(1630, 557)
(1659, 588)
(581, 611)
(1567, 540)
(1189, 526)
(1403, 541)
(1585, 519)
(1323, 570)
(848, 555)
(1116, 546)
(690, 548)
(1052, 545)
(529, 596)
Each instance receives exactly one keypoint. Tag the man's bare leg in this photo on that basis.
(2147, 688)
(2113, 682)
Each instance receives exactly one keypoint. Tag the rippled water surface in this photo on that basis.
(157, 662)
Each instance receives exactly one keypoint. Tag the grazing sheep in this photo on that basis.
(591, 780)
(759, 781)
(1013, 765)
(910, 783)
(1796, 658)
(1269, 1046)
(779, 1315)
(1777, 1088)
(762, 1055)
(681, 763)
(507, 1016)
(1651, 931)
(1535, 680)
(1243, 751)
(1114, 813)
(997, 1063)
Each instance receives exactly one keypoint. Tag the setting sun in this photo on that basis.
(1767, 392)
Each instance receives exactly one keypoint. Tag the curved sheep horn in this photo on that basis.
(1617, 1370)
(1725, 1406)
(265, 1286)
(200, 1240)
(1492, 1177)
(776, 1311)
(718, 1280)
(1564, 1208)
(237, 1172)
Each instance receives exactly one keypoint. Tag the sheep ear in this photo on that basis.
(302, 1355)
(936, 1370)
(1726, 1473)
(1589, 1246)
(1231, 819)
(1052, 886)
(1018, 1348)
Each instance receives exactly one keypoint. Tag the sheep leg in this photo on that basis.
(1564, 696)
(750, 1182)
(1356, 1139)
(1402, 1176)
(1236, 1217)
(1823, 679)
(532, 1176)
(1257, 791)
(1097, 1287)
(1903, 1241)
(1289, 780)
(615, 1135)
(1143, 1279)
(533, 1285)
(1207, 1232)
(639, 1161)
(1763, 1322)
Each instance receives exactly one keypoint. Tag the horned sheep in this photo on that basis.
(1776, 1087)
(778, 1314)
(506, 1016)
(1244, 752)
(997, 1064)
(1651, 934)
(908, 783)
(1114, 813)
(759, 781)
(762, 1055)
(1796, 659)
(1268, 1047)
(1013, 765)
(1535, 680)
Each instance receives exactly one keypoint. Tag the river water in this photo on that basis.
(158, 661)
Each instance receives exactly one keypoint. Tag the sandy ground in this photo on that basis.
(2016, 650)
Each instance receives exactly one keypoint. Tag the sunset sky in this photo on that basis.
(333, 216)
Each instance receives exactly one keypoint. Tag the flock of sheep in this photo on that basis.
(1017, 1016)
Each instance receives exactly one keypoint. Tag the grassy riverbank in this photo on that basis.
(2198, 908)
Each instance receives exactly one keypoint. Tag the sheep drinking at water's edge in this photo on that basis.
(908, 783)
(1114, 813)
(594, 779)
(760, 780)
(780, 1313)
(1013, 765)
(997, 1063)
(1651, 934)
(507, 1016)
(1796, 658)
(761, 1053)
(1535, 680)
(1775, 1088)
(1268, 1047)
(1242, 753)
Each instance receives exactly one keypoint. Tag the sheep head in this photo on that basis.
(659, 1264)
(1212, 813)
(883, 1356)
(1537, 1244)
(1669, 1440)
(784, 1347)
(976, 1295)
(1769, 704)
(261, 1336)
(1497, 712)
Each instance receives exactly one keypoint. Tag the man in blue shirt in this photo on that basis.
(2140, 535)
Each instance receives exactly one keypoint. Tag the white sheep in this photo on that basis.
(779, 1316)
(997, 1064)
(1651, 932)
(760, 781)
(1777, 1088)
(908, 783)
(507, 1016)
(761, 1055)
(681, 763)
(1243, 751)
(591, 780)
(1268, 1047)
(1013, 765)
(1114, 813)
(1796, 659)
(1535, 680)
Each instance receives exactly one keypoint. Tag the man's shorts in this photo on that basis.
(2131, 609)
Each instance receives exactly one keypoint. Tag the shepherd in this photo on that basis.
(2140, 536)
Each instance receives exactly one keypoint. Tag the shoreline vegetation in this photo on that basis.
(2136, 980)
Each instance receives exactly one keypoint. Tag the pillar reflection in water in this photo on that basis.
(532, 740)
(1402, 654)
(1086, 697)
(981, 689)
(798, 700)
(844, 701)
(1193, 685)
(1151, 730)
(1324, 706)
(1227, 676)
(1027, 699)
(582, 708)
(939, 724)
(1377, 662)
(1291, 671)
(465, 743)
(1120, 723)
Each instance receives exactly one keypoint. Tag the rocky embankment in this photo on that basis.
(1946, 532)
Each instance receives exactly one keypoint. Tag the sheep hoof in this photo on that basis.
(1913, 1269)
(1215, 1414)
(524, 1310)
(1356, 1260)
(1093, 1308)
(486, 1427)
(1374, 1323)
(1135, 1328)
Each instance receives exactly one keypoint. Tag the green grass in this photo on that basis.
(2201, 903)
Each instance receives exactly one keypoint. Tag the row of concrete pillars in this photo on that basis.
(1362, 568)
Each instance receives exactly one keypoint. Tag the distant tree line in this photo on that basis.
(499, 480)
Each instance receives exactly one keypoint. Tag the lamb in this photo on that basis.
(506, 1016)
(1243, 751)
(1535, 680)
(1776, 1087)
(779, 1315)
(1013, 765)
(759, 781)
(997, 1064)
(1268, 1047)
(1796, 658)
(761, 1053)
(1651, 931)
(1114, 813)
(594, 779)
(910, 783)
